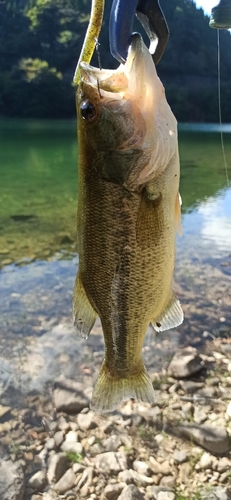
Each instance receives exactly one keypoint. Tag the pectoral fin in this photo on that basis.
(171, 317)
(178, 204)
(84, 315)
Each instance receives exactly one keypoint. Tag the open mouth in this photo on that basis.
(106, 80)
(130, 77)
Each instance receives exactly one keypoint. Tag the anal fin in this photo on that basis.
(171, 317)
(84, 315)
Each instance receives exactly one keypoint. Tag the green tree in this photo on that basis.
(40, 41)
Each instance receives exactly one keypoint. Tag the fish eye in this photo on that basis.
(87, 110)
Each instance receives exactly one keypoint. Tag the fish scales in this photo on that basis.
(126, 238)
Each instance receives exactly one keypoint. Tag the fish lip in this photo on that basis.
(107, 80)
(115, 81)
(87, 71)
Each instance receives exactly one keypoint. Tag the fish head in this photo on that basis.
(107, 119)
(124, 113)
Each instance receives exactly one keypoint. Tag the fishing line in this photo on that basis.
(97, 44)
(219, 105)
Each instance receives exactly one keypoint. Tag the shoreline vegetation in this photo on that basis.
(40, 41)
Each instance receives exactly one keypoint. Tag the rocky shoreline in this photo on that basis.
(178, 448)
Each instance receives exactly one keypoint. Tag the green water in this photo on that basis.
(202, 164)
(38, 186)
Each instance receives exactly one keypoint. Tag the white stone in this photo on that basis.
(72, 447)
(141, 467)
(72, 436)
(111, 462)
(159, 438)
(91, 440)
(50, 444)
(218, 355)
(48, 495)
(43, 455)
(205, 461)
(228, 411)
(86, 421)
(166, 495)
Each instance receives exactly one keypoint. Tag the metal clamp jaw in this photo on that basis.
(152, 19)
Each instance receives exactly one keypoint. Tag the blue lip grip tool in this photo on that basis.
(150, 16)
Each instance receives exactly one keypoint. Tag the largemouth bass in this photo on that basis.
(128, 212)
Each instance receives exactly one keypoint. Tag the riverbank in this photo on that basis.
(55, 447)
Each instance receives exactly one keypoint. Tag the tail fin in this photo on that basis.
(109, 392)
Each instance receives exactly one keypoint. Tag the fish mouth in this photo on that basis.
(132, 79)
